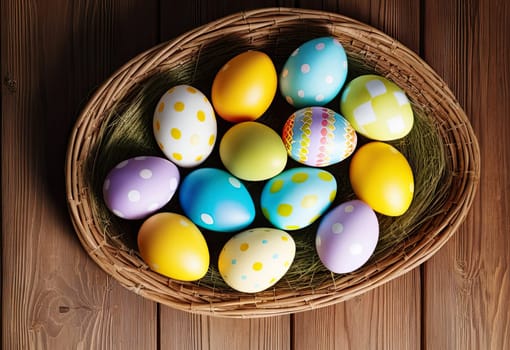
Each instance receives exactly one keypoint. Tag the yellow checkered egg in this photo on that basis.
(318, 136)
(377, 108)
(184, 125)
(297, 197)
(256, 259)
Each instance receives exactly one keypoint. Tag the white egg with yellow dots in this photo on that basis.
(256, 259)
(184, 126)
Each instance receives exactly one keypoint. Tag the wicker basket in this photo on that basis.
(276, 31)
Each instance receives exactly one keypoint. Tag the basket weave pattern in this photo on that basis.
(275, 31)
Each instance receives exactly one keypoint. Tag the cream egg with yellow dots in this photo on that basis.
(377, 108)
(256, 259)
(185, 126)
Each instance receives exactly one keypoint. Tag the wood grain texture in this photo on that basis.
(181, 330)
(53, 296)
(468, 282)
(55, 53)
(187, 15)
(398, 18)
(388, 317)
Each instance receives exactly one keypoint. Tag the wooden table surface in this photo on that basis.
(54, 54)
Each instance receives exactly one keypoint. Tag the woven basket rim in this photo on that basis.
(126, 268)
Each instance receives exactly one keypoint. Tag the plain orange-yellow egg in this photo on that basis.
(381, 177)
(174, 247)
(244, 87)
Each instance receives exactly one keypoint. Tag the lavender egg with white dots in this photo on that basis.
(139, 186)
(314, 73)
(347, 236)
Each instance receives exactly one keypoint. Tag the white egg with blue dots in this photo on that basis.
(314, 73)
(256, 259)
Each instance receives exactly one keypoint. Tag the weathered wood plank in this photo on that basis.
(182, 330)
(177, 18)
(468, 282)
(53, 55)
(388, 317)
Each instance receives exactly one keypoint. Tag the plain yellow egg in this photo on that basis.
(381, 177)
(174, 247)
(244, 87)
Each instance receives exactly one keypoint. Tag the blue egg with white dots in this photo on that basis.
(314, 73)
(215, 200)
(297, 197)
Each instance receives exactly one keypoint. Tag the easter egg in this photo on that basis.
(314, 73)
(347, 236)
(173, 246)
(297, 197)
(184, 126)
(253, 151)
(215, 200)
(139, 186)
(244, 87)
(377, 108)
(381, 177)
(256, 259)
(318, 136)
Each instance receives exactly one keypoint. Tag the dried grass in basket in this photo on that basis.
(116, 125)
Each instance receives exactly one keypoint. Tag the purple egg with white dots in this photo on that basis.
(139, 186)
(347, 236)
(314, 73)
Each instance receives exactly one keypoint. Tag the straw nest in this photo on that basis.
(116, 124)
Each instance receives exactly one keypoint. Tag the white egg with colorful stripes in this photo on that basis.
(184, 126)
(318, 136)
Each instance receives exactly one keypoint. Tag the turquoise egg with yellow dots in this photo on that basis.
(297, 197)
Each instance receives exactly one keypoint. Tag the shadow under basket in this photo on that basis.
(116, 125)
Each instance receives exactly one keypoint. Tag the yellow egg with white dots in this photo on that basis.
(256, 259)
(184, 125)
(174, 247)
